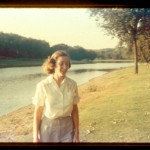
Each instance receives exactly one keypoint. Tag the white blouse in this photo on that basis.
(57, 101)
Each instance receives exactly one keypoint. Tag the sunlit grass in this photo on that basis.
(120, 112)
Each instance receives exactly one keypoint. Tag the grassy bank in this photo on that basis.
(5, 63)
(114, 107)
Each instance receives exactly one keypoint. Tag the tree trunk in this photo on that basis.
(135, 56)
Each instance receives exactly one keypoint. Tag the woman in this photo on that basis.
(56, 116)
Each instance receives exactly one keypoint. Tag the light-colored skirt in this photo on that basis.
(56, 130)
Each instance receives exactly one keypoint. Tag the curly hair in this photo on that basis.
(49, 63)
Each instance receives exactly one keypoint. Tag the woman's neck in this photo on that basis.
(58, 78)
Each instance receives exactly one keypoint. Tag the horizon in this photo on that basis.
(57, 43)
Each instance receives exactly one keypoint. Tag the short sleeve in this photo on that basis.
(76, 95)
(39, 97)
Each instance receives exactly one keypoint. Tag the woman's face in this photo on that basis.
(62, 65)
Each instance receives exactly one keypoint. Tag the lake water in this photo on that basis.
(17, 85)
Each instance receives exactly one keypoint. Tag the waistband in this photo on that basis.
(59, 118)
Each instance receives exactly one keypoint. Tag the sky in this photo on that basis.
(71, 26)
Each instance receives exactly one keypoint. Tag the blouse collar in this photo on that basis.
(50, 79)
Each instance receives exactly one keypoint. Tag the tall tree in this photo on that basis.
(125, 23)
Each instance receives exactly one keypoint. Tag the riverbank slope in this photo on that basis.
(114, 107)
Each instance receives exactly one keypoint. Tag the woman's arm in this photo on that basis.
(38, 111)
(75, 117)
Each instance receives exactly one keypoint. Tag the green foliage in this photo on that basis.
(119, 53)
(76, 52)
(15, 46)
(144, 49)
(123, 22)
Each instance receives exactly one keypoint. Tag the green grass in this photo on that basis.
(120, 111)
(22, 62)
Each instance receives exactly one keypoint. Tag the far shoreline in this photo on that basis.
(25, 62)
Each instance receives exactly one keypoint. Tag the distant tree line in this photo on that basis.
(76, 52)
(115, 54)
(15, 46)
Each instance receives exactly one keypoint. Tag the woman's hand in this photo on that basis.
(36, 140)
(76, 137)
